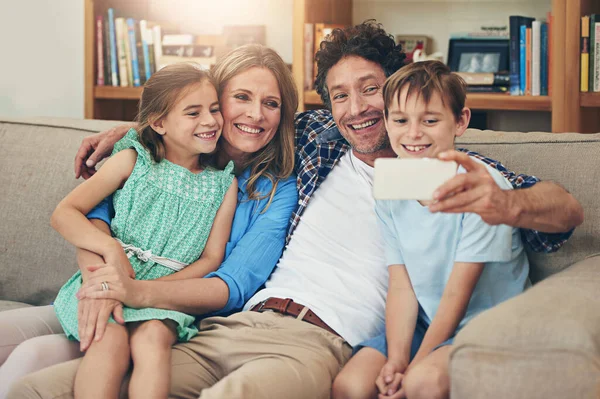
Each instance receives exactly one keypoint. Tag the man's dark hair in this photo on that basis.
(367, 40)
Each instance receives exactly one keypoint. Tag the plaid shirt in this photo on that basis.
(319, 147)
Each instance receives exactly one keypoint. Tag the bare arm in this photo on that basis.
(214, 250)
(546, 206)
(95, 148)
(401, 310)
(69, 216)
(453, 306)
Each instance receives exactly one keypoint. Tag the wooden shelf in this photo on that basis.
(589, 100)
(117, 93)
(511, 103)
(482, 101)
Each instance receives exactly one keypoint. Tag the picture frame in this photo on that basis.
(410, 43)
(478, 55)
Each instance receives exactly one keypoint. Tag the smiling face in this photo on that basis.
(423, 130)
(354, 86)
(251, 104)
(194, 124)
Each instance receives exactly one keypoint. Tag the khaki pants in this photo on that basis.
(31, 339)
(246, 355)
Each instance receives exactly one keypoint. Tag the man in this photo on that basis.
(328, 290)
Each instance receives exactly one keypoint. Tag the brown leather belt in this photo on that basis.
(289, 307)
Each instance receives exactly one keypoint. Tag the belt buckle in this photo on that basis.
(261, 306)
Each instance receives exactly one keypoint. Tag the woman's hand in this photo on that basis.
(110, 282)
(93, 317)
(94, 149)
(389, 381)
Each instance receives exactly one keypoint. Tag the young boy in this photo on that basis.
(443, 268)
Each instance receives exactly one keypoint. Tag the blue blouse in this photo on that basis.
(256, 242)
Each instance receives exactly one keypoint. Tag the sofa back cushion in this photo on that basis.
(36, 160)
(569, 159)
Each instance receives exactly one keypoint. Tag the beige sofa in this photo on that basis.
(542, 344)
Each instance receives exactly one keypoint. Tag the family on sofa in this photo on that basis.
(214, 180)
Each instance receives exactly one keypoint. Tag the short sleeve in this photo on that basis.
(131, 140)
(480, 242)
(227, 176)
(393, 255)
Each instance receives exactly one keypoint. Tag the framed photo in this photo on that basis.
(478, 55)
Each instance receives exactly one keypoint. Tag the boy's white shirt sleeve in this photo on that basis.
(393, 255)
(480, 242)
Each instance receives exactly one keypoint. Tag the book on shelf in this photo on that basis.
(308, 56)
(114, 71)
(544, 59)
(106, 48)
(535, 57)
(485, 79)
(594, 69)
(585, 53)
(528, 61)
(488, 89)
(120, 29)
(135, 67)
(99, 50)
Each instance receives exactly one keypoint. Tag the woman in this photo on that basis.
(258, 101)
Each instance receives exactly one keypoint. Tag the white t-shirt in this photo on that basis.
(335, 263)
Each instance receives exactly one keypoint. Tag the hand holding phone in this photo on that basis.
(410, 179)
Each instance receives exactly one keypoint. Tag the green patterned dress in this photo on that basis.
(162, 210)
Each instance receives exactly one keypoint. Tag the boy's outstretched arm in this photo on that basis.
(452, 308)
(545, 206)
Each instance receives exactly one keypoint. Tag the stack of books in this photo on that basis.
(486, 82)
(529, 56)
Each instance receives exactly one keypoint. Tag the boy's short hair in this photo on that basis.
(425, 79)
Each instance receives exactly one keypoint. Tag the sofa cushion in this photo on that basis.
(569, 159)
(9, 305)
(37, 172)
(541, 344)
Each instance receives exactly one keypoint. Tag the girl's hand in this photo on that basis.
(110, 282)
(93, 317)
(389, 380)
(116, 256)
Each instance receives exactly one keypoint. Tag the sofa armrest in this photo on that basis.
(544, 343)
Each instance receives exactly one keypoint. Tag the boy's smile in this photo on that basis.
(422, 130)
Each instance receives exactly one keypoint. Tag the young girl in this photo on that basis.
(173, 215)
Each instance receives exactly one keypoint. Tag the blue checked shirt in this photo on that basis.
(319, 147)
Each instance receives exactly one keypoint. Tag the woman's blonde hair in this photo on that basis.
(161, 93)
(276, 160)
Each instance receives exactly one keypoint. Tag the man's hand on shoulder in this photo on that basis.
(95, 148)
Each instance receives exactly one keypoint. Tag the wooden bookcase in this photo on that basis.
(571, 110)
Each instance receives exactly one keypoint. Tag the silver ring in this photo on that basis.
(104, 286)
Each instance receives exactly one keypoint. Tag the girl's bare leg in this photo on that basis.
(151, 343)
(104, 365)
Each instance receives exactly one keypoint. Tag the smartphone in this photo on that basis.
(410, 179)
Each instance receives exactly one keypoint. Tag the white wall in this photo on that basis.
(41, 66)
(438, 19)
(198, 17)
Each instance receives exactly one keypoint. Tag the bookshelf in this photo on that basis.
(571, 110)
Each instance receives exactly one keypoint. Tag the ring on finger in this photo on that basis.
(104, 285)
